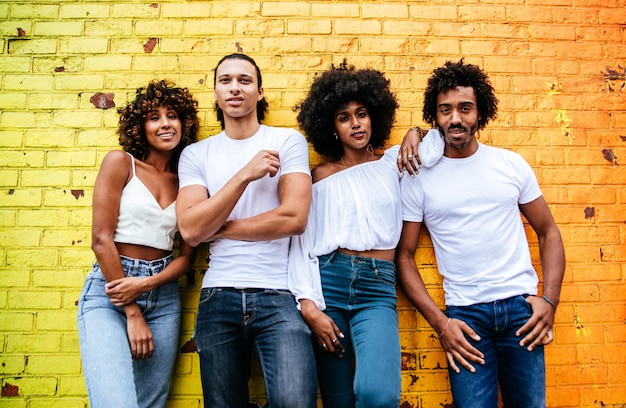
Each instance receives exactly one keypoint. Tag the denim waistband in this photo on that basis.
(152, 267)
(249, 290)
(340, 256)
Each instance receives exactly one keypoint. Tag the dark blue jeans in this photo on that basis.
(232, 321)
(360, 295)
(520, 373)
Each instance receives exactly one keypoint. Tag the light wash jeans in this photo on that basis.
(360, 295)
(113, 378)
(521, 373)
(232, 321)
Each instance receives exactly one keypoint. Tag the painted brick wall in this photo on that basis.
(558, 69)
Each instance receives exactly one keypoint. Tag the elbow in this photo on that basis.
(189, 237)
(299, 226)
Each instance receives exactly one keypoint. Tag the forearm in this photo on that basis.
(267, 226)
(552, 264)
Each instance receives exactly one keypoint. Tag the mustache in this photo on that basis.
(459, 127)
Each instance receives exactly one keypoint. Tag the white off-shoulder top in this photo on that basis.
(359, 209)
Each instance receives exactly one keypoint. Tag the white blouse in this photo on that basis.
(358, 209)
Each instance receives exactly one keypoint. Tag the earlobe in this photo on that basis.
(261, 94)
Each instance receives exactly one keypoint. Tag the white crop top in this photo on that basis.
(141, 220)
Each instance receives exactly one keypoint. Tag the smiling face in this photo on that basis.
(163, 128)
(237, 88)
(457, 118)
(353, 125)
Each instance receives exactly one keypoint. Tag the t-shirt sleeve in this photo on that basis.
(294, 154)
(412, 198)
(189, 170)
(529, 188)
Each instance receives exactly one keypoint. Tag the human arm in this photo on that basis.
(451, 332)
(538, 328)
(418, 149)
(287, 219)
(126, 290)
(200, 214)
(114, 173)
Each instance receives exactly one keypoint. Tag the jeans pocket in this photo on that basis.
(386, 274)
(206, 294)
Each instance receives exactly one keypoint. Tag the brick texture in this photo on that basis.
(558, 67)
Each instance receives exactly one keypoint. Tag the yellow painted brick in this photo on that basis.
(32, 46)
(18, 257)
(9, 28)
(8, 178)
(4, 11)
(77, 257)
(30, 300)
(200, 46)
(67, 197)
(59, 277)
(232, 9)
(414, 28)
(147, 10)
(433, 12)
(10, 139)
(79, 82)
(7, 217)
(40, 385)
(357, 26)
(20, 197)
(25, 119)
(73, 385)
(317, 26)
(83, 45)
(189, 10)
(84, 10)
(39, 178)
(84, 178)
(285, 8)
(58, 138)
(279, 44)
(335, 9)
(385, 11)
(155, 28)
(12, 101)
(35, 11)
(49, 64)
(52, 28)
(56, 320)
(12, 364)
(15, 64)
(82, 158)
(54, 101)
(456, 29)
(13, 322)
(400, 45)
(42, 217)
(21, 158)
(73, 237)
(27, 82)
(20, 237)
(98, 28)
(77, 119)
(127, 45)
(154, 63)
(33, 343)
(57, 402)
(436, 46)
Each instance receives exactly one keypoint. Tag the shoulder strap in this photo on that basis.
(132, 161)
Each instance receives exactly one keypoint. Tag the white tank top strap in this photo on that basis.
(132, 161)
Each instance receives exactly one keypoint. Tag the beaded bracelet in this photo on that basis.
(444, 329)
(549, 301)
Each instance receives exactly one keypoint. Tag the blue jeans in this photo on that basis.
(360, 295)
(521, 373)
(113, 378)
(230, 323)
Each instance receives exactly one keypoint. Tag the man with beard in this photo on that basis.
(496, 322)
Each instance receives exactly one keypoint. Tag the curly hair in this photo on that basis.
(131, 131)
(261, 106)
(454, 74)
(336, 87)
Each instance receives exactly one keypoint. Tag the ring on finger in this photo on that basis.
(399, 158)
(324, 345)
(410, 156)
(334, 340)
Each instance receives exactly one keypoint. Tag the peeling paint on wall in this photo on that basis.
(564, 122)
(103, 100)
(610, 156)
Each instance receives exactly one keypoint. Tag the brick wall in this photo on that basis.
(558, 69)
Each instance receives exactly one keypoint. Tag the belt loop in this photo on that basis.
(332, 256)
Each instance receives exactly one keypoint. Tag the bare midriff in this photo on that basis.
(386, 254)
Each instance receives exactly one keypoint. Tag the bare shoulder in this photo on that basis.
(321, 171)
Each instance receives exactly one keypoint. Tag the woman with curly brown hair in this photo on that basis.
(353, 228)
(130, 309)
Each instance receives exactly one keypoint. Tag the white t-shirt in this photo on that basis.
(470, 207)
(211, 163)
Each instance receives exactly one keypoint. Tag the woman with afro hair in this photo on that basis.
(130, 309)
(347, 251)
